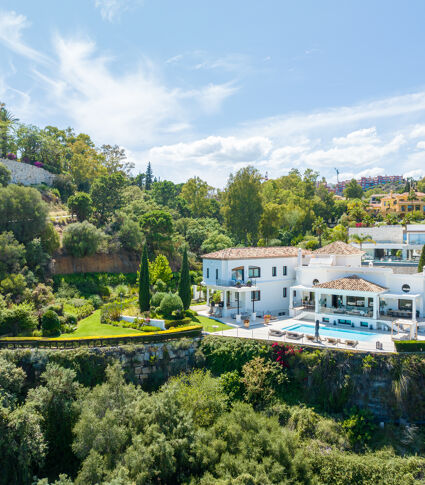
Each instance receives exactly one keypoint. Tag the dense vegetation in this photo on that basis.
(246, 416)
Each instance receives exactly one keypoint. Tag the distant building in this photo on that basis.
(402, 203)
(367, 183)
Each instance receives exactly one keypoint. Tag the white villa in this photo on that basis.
(329, 285)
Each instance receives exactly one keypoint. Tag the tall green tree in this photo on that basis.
(184, 283)
(81, 205)
(148, 177)
(242, 206)
(106, 194)
(421, 263)
(353, 190)
(319, 228)
(144, 291)
(7, 121)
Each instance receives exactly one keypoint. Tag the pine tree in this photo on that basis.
(148, 177)
(144, 292)
(421, 263)
(184, 283)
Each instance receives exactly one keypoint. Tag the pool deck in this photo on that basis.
(259, 331)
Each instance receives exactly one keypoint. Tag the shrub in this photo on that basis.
(149, 328)
(190, 313)
(359, 427)
(18, 320)
(96, 301)
(157, 298)
(50, 324)
(5, 174)
(171, 303)
(37, 333)
(70, 319)
(82, 239)
(410, 345)
(81, 205)
(177, 323)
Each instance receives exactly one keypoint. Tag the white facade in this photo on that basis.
(392, 243)
(401, 295)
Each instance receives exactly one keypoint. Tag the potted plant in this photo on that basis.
(246, 323)
(238, 284)
(249, 283)
(267, 319)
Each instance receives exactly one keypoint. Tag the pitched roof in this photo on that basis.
(353, 283)
(251, 253)
(338, 247)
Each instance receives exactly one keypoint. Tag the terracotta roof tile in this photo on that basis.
(338, 247)
(353, 283)
(251, 253)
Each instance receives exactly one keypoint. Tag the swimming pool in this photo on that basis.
(333, 332)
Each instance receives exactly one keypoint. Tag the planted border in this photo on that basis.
(164, 335)
(410, 345)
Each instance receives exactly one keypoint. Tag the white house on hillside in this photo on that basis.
(329, 285)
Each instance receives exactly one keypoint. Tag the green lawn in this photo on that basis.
(91, 327)
(208, 323)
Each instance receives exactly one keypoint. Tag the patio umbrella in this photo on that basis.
(316, 330)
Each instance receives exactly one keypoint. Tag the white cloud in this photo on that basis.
(359, 137)
(416, 174)
(11, 27)
(110, 10)
(212, 96)
(421, 144)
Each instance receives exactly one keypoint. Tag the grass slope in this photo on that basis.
(208, 323)
(91, 327)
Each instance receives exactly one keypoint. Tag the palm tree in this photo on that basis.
(319, 227)
(360, 239)
(6, 121)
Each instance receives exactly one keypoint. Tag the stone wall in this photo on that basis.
(146, 364)
(25, 174)
(121, 262)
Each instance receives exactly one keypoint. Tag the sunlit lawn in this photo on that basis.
(209, 323)
(91, 327)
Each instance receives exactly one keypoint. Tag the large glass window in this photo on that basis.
(254, 272)
(255, 295)
(405, 305)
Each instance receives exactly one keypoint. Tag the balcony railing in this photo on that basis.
(234, 283)
(359, 312)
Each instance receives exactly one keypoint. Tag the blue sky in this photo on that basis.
(204, 88)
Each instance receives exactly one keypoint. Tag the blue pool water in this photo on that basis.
(333, 332)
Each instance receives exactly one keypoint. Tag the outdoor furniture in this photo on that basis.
(352, 343)
(274, 332)
(379, 346)
(312, 338)
(332, 340)
(294, 335)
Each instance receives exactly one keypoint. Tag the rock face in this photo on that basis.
(25, 174)
(121, 262)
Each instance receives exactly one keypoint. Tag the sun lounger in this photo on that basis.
(332, 341)
(312, 338)
(352, 343)
(294, 335)
(274, 332)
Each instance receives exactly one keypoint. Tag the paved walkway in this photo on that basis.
(260, 331)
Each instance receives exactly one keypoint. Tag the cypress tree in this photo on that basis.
(421, 263)
(184, 283)
(144, 293)
(148, 177)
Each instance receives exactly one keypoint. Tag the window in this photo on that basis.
(403, 208)
(254, 272)
(405, 305)
(216, 274)
(315, 282)
(417, 208)
(208, 272)
(405, 288)
(255, 295)
(364, 324)
(285, 268)
(274, 271)
(238, 274)
(285, 292)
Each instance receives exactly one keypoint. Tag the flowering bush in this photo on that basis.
(25, 159)
(38, 164)
(282, 353)
(11, 156)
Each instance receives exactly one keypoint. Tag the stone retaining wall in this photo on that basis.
(25, 174)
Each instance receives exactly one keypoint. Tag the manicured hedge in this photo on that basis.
(178, 323)
(410, 345)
